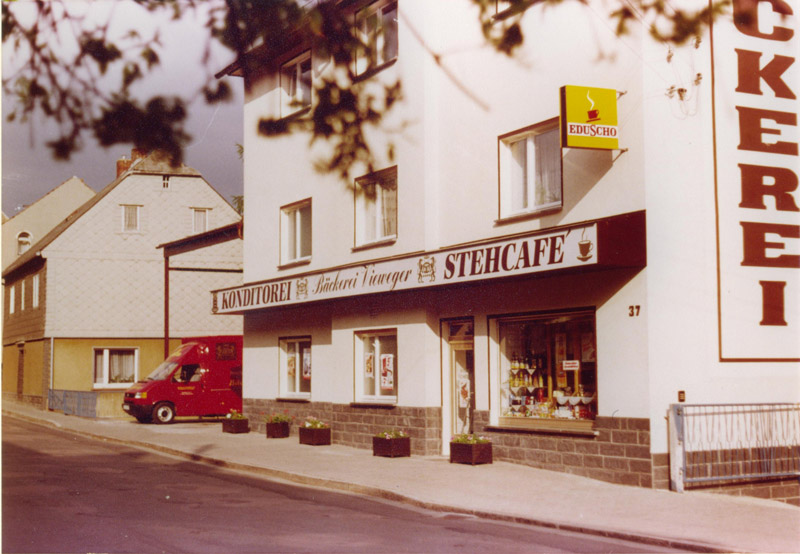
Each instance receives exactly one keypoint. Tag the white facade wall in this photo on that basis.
(103, 281)
(447, 157)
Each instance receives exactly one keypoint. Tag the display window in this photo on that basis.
(296, 367)
(548, 368)
(376, 366)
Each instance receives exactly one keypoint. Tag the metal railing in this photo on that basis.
(728, 443)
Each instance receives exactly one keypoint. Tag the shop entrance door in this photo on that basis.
(462, 375)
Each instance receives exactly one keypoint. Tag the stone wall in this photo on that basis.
(619, 453)
(355, 424)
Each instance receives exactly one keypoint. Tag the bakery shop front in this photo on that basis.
(532, 339)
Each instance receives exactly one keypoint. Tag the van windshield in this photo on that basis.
(165, 369)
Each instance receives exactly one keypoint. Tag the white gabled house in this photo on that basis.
(84, 306)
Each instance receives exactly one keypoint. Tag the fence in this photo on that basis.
(728, 443)
(81, 403)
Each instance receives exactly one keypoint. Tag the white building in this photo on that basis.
(489, 273)
(84, 306)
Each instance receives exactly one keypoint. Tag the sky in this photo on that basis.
(28, 168)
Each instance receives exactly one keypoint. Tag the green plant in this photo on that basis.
(235, 414)
(314, 423)
(278, 418)
(465, 438)
(392, 434)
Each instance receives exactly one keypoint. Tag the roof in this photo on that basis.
(201, 240)
(153, 163)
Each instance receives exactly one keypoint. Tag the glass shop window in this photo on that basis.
(548, 368)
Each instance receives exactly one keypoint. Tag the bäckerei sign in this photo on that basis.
(756, 161)
(562, 249)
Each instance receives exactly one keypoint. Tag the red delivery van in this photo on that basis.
(203, 377)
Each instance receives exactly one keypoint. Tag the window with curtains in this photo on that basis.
(115, 366)
(296, 232)
(530, 170)
(200, 220)
(130, 217)
(376, 26)
(376, 207)
(296, 84)
(295, 364)
(376, 366)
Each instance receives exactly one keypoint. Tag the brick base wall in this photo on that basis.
(355, 425)
(620, 453)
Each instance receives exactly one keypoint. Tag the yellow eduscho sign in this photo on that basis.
(589, 118)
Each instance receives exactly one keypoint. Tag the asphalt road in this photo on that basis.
(65, 493)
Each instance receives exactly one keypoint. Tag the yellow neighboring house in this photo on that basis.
(35, 221)
(84, 304)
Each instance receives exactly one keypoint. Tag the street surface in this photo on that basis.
(65, 493)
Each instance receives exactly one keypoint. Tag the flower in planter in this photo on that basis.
(278, 418)
(235, 414)
(392, 434)
(466, 438)
(313, 423)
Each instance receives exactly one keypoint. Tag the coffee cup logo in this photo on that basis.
(593, 114)
(585, 247)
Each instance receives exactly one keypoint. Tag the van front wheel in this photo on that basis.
(164, 413)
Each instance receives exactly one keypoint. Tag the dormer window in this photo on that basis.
(23, 242)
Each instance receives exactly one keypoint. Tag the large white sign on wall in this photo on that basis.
(754, 51)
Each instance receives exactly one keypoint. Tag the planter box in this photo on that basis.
(235, 426)
(480, 453)
(278, 430)
(391, 448)
(314, 437)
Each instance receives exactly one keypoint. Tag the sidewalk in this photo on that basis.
(694, 521)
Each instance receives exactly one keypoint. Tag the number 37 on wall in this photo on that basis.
(633, 311)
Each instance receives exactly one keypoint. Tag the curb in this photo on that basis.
(373, 492)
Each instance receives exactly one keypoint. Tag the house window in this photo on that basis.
(22, 295)
(12, 301)
(165, 182)
(200, 220)
(377, 30)
(376, 366)
(530, 171)
(115, 366)
(547, 364)
(295, 367)
(35, 291)
(23, 242)
(296, 232)
(376, 207)
(130, 217)
(296, 84)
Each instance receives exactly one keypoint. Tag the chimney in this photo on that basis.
(123, 165)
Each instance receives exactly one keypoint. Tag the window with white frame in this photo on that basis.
(295, 364)
(376, 207)
(22, 295)
(23, 242)
(296, 84)
(35, 291)
(296, 232)
(376, 366)
(130, 217)
(115, 366)
(200, 220)
(12, 300)
(530, 170)
(165, 181)
(377, 29)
